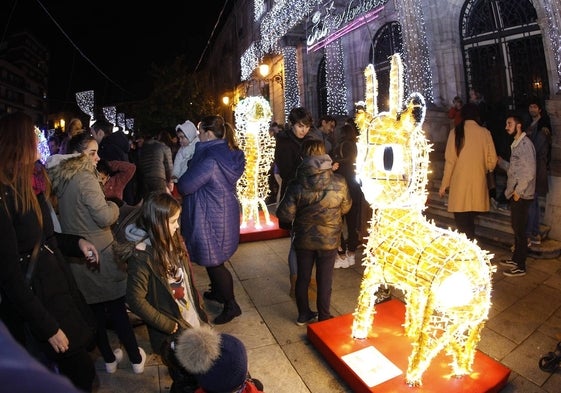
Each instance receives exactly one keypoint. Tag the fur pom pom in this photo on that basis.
(197, 349)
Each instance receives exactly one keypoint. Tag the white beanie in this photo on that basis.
(189, 129)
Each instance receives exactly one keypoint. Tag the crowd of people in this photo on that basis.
(66, 280)
(68, 275)
(473, 153)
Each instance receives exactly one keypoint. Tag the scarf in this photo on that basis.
(39, 180)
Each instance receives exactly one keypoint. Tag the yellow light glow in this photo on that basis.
(264, 69)
(226, 100)
(445, 277)
(253, 115)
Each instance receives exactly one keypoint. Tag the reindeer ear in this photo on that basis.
(396, 84)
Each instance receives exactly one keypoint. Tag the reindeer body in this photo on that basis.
(445, 277)
(252, 117)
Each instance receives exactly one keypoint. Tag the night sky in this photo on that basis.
(122, 38)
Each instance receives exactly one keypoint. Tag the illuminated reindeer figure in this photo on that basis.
(445, 278)
(252, 121)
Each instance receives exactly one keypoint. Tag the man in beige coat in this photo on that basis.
(470, 154)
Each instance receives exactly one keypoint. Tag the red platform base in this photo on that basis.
(267, 232)
(332, 338)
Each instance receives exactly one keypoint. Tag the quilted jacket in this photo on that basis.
(210, 219)
(314, 202)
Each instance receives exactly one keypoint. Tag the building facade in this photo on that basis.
(24, 68)
(316, 52)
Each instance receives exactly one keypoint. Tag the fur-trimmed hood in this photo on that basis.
(66, 169)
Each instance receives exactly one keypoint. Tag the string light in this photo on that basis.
(110, 114)
(42, 145)
(283, 17)
(552, 8)
(291, 89)
(336, 86)
(253, 115)
(445, 277)
(130, 123)
(121, 120)
(416, 50)
(250, 60)
(85, 101)
(258, 9)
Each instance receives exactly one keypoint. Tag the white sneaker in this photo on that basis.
(112, 367)
(139, 368)
(341, 262)
(350, 258)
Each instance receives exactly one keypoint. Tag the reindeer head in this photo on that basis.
(393, 153)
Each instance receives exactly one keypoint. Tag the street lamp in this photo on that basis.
(227, 102)
(264, 70)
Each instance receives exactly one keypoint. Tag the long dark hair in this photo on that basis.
(154, 219)
(18, 149)
(469, 111)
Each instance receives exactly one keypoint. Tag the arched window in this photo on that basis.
(503, 52)
(322, 88)
(388, 41)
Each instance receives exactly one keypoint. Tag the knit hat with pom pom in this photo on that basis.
(218, 361)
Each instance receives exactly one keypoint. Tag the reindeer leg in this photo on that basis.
(365, 310)
(428, 340)
(464, 354)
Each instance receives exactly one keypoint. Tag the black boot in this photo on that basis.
(231, 310)
(210, 295)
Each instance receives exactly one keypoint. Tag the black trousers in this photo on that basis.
(221, 282)
(79, 368)
(116, 310)
(76, 364)
(518, 220)
(465, 221)
(325, 262)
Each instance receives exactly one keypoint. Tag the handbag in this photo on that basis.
(89, 322)
(491, 185)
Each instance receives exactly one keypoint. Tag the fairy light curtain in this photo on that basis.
(85, 101)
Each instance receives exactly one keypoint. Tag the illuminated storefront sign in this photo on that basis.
(326, 25)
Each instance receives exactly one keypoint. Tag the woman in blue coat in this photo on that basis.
(210, 219)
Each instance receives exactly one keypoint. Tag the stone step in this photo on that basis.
(494, 220)
(492, 227)
(548, 248)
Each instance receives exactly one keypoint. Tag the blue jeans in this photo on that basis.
(292, 257)
(533, 226)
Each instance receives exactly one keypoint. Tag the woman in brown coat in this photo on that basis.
(470, 154)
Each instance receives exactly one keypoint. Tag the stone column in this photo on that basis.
(553, 201)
